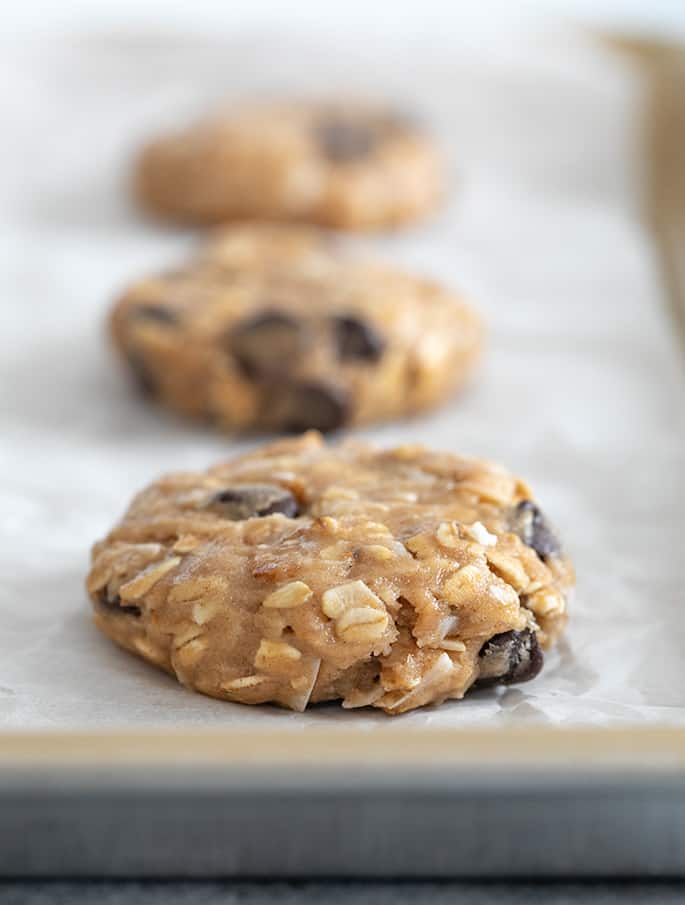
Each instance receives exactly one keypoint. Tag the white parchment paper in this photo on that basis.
(581, 391)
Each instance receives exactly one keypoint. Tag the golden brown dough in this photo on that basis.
(349, 166)
(304, 572)
(273, 328)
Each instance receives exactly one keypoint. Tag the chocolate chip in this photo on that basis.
(297, 407)
(510, 658)
(254, 501)
(356, 339)
(159, 314)
(529, 523)
(266, 343)
(142, 374)
(113, 604)
(343, 139)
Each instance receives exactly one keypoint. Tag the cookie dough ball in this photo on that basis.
(347, 166)
(270, 328)
(304, 572)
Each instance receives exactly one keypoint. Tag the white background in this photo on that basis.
(461, 21)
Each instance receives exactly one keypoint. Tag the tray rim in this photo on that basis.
(661, 63)
(581, 751)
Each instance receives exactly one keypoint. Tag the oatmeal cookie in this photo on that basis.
(305, 572)
(272, 328)
(342, 165)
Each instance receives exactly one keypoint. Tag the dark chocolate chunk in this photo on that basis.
(343, 139)
(142, 374)
(347, 137)
(298, 407)
(510, 658)
(529, 523)
(267, 343)
(356, 339)
(113, 604)
(159, 314)
(245, 501)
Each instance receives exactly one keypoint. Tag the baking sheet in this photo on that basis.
(581, 390)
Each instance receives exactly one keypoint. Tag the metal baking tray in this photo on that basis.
(437, 803)
(518, 801)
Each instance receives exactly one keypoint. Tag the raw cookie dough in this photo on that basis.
(304, 572)
(348, 166)
(272, 328)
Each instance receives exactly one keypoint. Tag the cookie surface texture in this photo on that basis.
(306, 572)
(345, 166)
(274, 328)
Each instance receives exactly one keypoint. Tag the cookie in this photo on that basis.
(305, 572)
(271, 328)
(348, 166)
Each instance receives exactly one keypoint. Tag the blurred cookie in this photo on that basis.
(336, 165)
(271, 328)
(302, 573)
